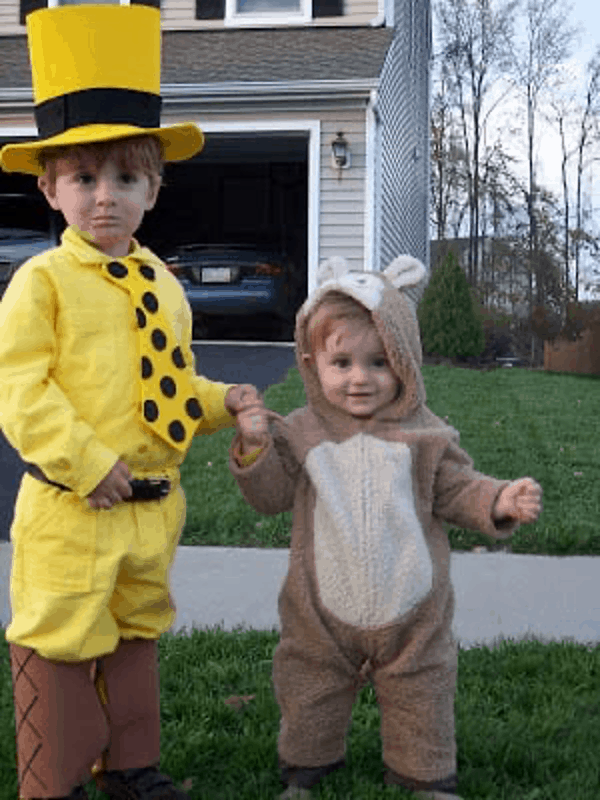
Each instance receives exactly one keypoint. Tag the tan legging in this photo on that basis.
(71, 718)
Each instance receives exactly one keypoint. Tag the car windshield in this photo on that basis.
(18, 244)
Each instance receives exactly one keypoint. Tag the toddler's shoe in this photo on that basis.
(138, 784)
(78, 793)
(295, 793)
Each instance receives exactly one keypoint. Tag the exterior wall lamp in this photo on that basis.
(340, 152)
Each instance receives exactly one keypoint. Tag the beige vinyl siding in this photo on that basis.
(9, 17)
(342, 214)
(180, 15)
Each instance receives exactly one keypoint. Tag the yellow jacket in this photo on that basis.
(69, 386)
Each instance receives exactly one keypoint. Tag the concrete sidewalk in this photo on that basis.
(498, 595)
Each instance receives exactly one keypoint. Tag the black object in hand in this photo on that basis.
(149, 488)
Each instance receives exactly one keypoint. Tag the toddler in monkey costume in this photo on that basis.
(99, 394)
(370, 475)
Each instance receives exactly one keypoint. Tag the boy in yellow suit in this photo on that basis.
(99, 394)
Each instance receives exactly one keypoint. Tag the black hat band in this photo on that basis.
(97, 107)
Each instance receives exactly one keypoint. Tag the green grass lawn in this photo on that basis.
(527, 713)
(526, 723)
(512, 422)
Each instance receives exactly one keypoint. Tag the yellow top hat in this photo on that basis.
(96, 77)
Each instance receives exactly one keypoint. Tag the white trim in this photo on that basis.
(26, 131)
(313, 128)
(314, 204)
(380, 20)
(57, 3)
(370, 236)
(237, 19)
(237, 91)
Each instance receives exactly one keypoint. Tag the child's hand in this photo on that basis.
(246, 403)
(252, 424)
(113, 488)
(521, 500)
(240, 397)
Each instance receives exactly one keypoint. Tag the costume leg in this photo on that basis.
(131, 682)
(315, 693)
(60, 726)
(417, 725)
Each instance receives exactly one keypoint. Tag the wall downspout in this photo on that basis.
(371, 256)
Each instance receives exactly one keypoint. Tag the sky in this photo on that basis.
(585, 13)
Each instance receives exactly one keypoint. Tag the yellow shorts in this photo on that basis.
(81, 578)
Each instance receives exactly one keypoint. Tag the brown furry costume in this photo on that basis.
(368, 591)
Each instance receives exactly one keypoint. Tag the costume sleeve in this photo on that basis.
(36, 416)
(268, 484)
(211, 394)
(466, 498)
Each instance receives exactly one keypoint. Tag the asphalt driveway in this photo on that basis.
(230, 362)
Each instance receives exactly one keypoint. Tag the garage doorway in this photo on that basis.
(241, 189)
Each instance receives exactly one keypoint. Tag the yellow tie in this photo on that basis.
(169, 405)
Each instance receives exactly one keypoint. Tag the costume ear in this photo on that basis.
(405, 272)
(331, 269)
(410, 276)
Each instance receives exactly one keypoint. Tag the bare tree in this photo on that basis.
(588, 125)
(546, 43)
(475, 40)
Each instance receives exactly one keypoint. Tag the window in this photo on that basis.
(27, 6)
(269, 11)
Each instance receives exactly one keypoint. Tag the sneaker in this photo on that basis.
(295, 793)
(78, 793)
(138, 784)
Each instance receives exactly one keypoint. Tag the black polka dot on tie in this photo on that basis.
(148, 272)
(147, 368)
(117, 270)
(167, 386)
(150, 410)
(159, 340)
(192, 406)
(177, 357)
(141, 318)
(176, 431)
(150, 302)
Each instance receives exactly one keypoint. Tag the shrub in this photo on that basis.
(451, 324)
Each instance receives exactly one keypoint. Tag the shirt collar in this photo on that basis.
(79, 243)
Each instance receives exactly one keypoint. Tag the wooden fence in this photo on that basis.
(582, 355)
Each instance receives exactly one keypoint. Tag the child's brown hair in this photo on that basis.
(143, 153)
(333, 307)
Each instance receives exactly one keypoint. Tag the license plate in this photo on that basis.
(217, 275)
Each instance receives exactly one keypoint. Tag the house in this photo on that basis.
(274, 84)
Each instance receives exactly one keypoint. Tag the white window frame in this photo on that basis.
(313, 128)
(233, 18)
(57, 3)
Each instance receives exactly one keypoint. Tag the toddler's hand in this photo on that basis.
(252, 423)
(240, 397)
(521, 500)
(113, 488)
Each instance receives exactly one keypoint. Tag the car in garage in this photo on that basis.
(16, 246)
(235, 287)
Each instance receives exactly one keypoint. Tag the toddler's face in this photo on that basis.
(353, 369)
(106, 201)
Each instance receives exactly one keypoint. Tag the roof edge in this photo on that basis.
(21, 98)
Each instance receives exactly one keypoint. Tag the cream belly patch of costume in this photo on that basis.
(372, 562)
